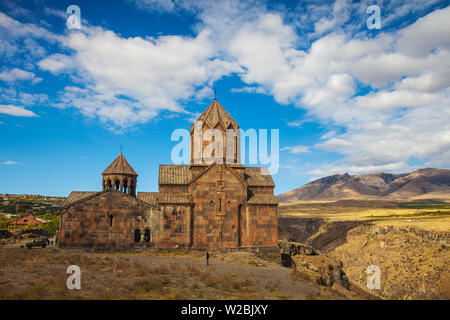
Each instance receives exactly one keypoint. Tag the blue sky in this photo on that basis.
(345, 98)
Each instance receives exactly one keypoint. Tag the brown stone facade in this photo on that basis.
(201, 205)
(107, 219)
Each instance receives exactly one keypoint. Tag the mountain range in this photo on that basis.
(428, 183)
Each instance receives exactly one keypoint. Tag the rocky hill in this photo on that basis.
(429, 183)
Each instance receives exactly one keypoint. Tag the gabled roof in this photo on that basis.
(75, 196)
(149, 197)
(258, 177)
(263, 199)
(226, 166)
(120, 166)
(174, 174)
(182, 175)
(215, 114)
(27, 220)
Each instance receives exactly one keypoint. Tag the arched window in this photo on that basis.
(117, 185)
(111, 217)
(109, 185)
(125, 186)
(137, 235)
(147, 235)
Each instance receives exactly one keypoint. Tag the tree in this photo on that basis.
(51, 226)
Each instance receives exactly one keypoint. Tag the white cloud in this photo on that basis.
(129, 80)
(296, 149)
(433, 30)
(297, 123)
(16, 111)
(157, 5)
(427, 82)
(340, 169)
(19, 97)
(397, 99)
(10, 163)
(406, 117)
(56, 63)
(18, 29)
(55, 12)
(16, 74)
(341, 13)
(249, 90)
(328, 135)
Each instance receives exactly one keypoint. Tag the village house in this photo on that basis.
(27, 220)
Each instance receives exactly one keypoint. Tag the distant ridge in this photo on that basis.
(428, 183)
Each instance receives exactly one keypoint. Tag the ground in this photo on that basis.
(408, 241)
(41, 274)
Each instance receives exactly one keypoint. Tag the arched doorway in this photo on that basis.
(137, 235)
(147, 235)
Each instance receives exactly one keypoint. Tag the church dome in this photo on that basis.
(120, 176)
(120, 166)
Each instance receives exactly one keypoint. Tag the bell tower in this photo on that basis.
(120, 176)
(215, 137)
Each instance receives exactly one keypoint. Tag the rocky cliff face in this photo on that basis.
(413, 262)
(421, 184)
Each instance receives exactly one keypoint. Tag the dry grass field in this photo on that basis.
(41, 274)
(428, 215)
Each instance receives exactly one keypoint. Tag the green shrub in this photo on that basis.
(51, 226)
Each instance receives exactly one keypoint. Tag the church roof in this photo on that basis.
(149, 197)
(258, 177)
(174, 174)
(120, 166)
(182, 175)
(215, 114)
(77, 196)
(263, 199)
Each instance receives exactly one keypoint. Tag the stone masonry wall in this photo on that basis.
(217, 214)
(89, 224)
(263, 225)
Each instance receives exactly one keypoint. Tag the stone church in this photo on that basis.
(201, 205)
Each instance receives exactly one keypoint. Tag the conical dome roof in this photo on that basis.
(120, 166)
(215, 114)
